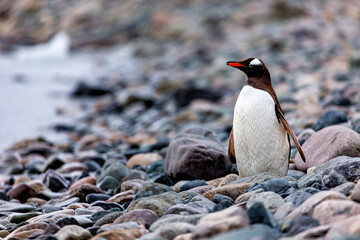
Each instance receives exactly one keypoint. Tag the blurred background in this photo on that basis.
(146, 69)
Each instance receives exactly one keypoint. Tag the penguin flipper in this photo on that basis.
(286, 125)
(231, 149)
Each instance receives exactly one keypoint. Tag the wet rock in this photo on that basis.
(196, 153)
(108, 183)
(259, 214)
(143, 217)
(271, 200)
(298, 224)
(257, 231)
(73, 232)
(22, 192)
(222, 221)
(327, 144)
(331, 117)
(143, 159)
(331, 211)
(151, 189)
(308, 206)
(233, 190)
(55, 182)
(192, 184)
(158, 203)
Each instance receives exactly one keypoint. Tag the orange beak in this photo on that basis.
(235, 64)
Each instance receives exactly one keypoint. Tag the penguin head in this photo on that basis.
(252, 67)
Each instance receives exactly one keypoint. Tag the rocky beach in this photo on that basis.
(137, 102)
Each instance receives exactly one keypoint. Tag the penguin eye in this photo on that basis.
(250, 66)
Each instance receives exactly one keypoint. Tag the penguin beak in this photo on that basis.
(235, 64)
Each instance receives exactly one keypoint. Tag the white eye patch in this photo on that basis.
(255, 61)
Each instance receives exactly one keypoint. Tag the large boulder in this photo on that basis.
(327, 144)
(196, 153)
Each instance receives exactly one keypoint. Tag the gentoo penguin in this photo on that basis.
(259, 141)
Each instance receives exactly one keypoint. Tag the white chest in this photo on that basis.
(260, 141)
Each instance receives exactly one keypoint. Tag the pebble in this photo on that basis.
(182, 159)
(192, 184)
(259, 214)
(73, 232)
(22, 192)
(143, 217)
(257, 231)
(233, 190)
(271, 200)
(329, 118)
(143, 159)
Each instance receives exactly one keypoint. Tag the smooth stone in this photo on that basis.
(257, 178)
(170, 231)
(163, 179)
(158, 166)
(22, 192)
(107, 205)
(228, 178)
(355, 195)
(271, 200)
(83, 191)
(279, 186)
(108, 218)
(135, 174)
(202, 189)
(158, 203)
(296, 174)
(222, 202)
(47, 233)
(47, 217)
(37, 185)
(196, 153)
(25, 231)
(143, 159)
(257, 231)
(50, 209)
(143, 217)
(54, 162)
(197, 205)
(284, 210)
(115, 169)
(233, 190)
(331, 117)
(128, 234)
(327, 144)
(298, 197)
(341, 173)
(178, 185)
(192, 184)
(100, 214)
(4, 233)
(92, 165)
(38, 202)
(50, 195)
(67, 221)
(92, 197)
(15, 207)
(331, 211)
(54, 181)
(246, 196)
(125, 225)
(135, 185)
(108, 183)
(73, 232)
(151, 189)
(122, 197)
(222, 221)
(18, 218)
(297, 225)
(91, 180)
(21, 179)
(345, 188)
(307, 207)
(259, 214)
(67, 202)
(166, 219)
(349, 226)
